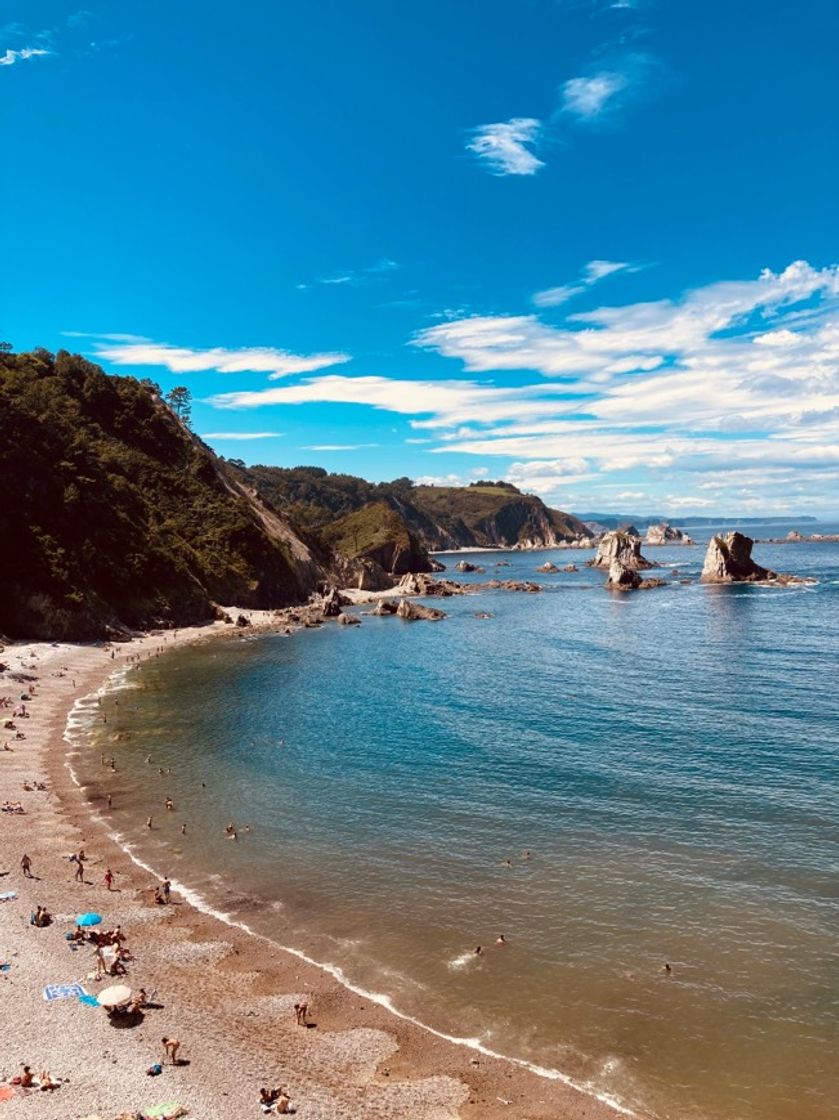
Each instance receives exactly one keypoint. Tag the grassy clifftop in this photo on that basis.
(116, 515)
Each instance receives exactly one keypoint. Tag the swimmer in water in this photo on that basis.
(478, 951)
(183, 830)
(148, 759)
(667, 969)
(501, 941)
(148, 822)
(507, 863)
(527, 855)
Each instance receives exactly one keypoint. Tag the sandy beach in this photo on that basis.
(227, 995)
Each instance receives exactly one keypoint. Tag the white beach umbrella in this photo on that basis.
(114, 996)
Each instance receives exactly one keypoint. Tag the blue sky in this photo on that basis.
(586, 245)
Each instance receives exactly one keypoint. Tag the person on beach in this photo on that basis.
(26, 1079)
(79, 872)
(171, 1046)
(148, 822)
(110, 800)
(109, 878)
(166, 891)
(301, 1010)
(26, 866)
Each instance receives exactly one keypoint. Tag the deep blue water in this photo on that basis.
(669, 757)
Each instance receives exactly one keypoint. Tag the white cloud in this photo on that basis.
(591, 273)
(353, 277)
(503, 146)
(11, 57)
(249, 359)
(241, 435)
(588, 97)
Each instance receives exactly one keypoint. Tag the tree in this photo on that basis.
(179, 400)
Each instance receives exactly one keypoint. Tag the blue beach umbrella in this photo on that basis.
(88, 919)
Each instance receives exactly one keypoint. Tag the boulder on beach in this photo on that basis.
(547, 567)
(729, 560)
(622, 547)
(415, 612)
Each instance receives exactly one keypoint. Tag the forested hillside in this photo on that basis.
(114, 514)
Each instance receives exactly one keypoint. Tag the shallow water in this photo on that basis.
(670, 758)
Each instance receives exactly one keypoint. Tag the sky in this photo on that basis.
(588, 246)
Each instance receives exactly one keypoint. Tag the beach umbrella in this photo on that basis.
(114, 996)
(88, 919)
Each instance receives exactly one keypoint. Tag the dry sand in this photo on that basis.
(226, 995)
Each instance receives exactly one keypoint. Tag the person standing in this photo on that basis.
(26, 866)
(171, 1046)
(109, 878)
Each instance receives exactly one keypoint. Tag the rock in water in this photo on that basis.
(622, 578)
(729, 560)
(621, 547)
(331, 603)
(413, 612)
(665, 533)
(349, 619)
(465, 566)
(547, 567)
(385, 606)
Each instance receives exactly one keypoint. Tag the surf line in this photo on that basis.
(117, 682)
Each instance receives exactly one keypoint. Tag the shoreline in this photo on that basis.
(387, 1063)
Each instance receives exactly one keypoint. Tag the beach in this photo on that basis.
(227, 995)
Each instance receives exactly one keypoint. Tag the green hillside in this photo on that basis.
(116, 515)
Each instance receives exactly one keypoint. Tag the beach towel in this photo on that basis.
(169, 1111)
(89, 1001)
(7, 896)
(6, 1092)
(63, 991)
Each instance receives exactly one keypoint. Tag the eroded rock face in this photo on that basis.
(414, 612)
(621, 547)
(729, 560)
(665, 533)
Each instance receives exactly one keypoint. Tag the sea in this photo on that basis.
(611, 782)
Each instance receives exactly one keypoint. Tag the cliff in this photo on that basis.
(116, 515)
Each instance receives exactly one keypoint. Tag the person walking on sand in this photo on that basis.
(79, 862)
(109, 878)
(166, 891)
(148, 822)
(26, 866)
(171, 1046)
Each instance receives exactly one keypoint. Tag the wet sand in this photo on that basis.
(226, 994)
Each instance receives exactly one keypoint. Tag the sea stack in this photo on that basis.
(664, 533)
(729, 560)
(620, 546)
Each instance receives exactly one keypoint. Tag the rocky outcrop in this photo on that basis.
(436, 565)
(547, 567)
(510, 585)
(415, 612)
(331, 603)
(570, 568)
(622, 547)
(418, 583)
(465, 566)
(664, 533)
(729, 560)
(629, 529)
(349, 619)
(623, 578)
(385, 607)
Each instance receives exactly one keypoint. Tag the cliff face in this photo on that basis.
(115, 515)
(379, 535)
(729, 560)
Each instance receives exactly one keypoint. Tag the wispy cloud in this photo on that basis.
(354, 277)
(503, 147)
(241, 435)
(11, 57)
(735, 380)
(591, 273)
(248, 359)
(606, 89)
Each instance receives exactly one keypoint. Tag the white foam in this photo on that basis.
(463, 960)
(198, 902)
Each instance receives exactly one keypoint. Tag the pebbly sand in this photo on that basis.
(226, 995)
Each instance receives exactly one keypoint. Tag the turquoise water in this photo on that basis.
(670, 758)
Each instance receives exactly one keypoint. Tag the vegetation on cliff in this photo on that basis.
(116, 515)
(490, 514)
